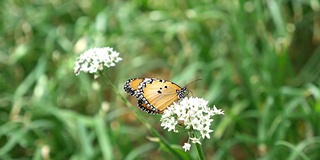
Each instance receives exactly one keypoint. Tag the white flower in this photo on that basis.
(217, 111)
(196, 123)
(170, 123)
(193, 114)
(205, 132)
(186, 147)
(95, 59)
(195, 140)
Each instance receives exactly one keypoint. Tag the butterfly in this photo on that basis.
(154, 95)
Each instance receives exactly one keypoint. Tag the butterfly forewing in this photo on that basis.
(161, 94)
(135, 83)
(132, 85)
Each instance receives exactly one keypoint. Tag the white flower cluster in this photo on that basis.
(194, 115)
(94, 59)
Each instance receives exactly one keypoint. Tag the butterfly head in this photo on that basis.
(182, 93)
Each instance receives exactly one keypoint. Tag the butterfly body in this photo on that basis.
(154, 95)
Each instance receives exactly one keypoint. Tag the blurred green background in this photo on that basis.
(258, 60)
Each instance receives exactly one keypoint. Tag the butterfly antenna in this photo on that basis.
(193, 82)
(190, 83)
(190, 92)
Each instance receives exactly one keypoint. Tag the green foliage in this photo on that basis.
(258, 60)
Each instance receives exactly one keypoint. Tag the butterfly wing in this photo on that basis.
(154, 95)
(145, 107)
(161, 94)
(132, 86)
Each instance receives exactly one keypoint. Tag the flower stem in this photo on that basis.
(200, 151)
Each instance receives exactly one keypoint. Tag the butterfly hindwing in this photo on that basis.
(145, 107)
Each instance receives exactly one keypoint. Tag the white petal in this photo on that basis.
(186, 147)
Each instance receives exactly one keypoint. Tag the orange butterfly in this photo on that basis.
(154, 95)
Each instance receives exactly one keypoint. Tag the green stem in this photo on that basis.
(200, 151)
(198, 146)
(142, 119)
